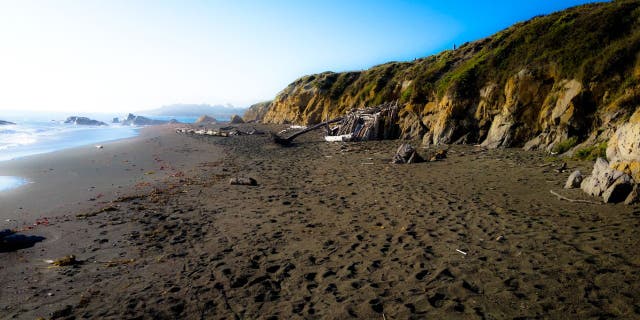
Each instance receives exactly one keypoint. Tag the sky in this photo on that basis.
(124, 55)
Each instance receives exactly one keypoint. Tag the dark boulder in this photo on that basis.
(84, 121)
(406, 153)
(236, 119)
(133, 120)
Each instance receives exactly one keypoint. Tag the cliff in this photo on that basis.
(565, 82)
(256, 112)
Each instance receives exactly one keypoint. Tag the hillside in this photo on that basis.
(194, 110)
(560, 82)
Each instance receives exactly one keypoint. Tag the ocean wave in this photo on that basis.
(41, 137)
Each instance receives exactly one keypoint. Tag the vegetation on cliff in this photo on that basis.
(563, 82)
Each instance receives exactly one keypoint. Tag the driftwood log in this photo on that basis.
(287, 141)
(561, 197)
(243, 181)
(373, 123)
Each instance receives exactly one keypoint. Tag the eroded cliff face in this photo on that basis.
(563, 83)
(256, 112)
(623, 149)
(532, 109)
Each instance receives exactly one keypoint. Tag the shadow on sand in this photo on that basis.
(11, 241)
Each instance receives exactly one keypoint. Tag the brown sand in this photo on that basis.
(334, 231)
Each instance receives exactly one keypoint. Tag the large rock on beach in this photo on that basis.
(133, 120)
(574, 181)
(623, 148)
(236, 119)
(406, 153)
(205, 119)
(633, 197)
(619, 190)
(611, 184)
(84, 121)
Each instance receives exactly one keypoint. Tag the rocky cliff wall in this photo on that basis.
(566, 83)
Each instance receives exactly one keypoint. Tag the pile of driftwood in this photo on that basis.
(222, 132)
(373, 123)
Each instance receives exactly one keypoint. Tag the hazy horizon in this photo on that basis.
(123, 56)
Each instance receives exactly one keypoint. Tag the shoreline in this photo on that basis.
(332, 230)
(66, 137)
(86, 176)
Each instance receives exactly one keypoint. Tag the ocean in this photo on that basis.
(37, 137)
(34, 135)
(27, 138)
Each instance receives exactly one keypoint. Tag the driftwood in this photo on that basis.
(374, 123)
(243, 181)
(287, 141)
(561, 197)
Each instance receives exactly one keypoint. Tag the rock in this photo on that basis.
(406, 154)
(84, 121)
(236, 119)
(599, 180)
(205, 119)
(574, 181)
(439, 155)
(115, 120)
(522, 92)
(3, 123)
(604, 179)
(633, 197)
(619, 190)
(427, 139)
(623, 148)
(133, 120)
(243, 181)
(65, 261)
(256, 112)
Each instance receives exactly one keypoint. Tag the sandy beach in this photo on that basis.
(331, 231)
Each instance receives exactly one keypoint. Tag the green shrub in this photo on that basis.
(592, 152)
(406, 94)
(565, 145)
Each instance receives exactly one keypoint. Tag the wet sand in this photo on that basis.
(62, 181)
(334, 231)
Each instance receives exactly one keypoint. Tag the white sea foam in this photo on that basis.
(30, 138)
(8, 182)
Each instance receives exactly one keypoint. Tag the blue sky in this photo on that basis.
(122, 55)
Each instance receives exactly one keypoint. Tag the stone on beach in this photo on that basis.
(600, 179)
(619, 190)
(236, 119)
(406, 153)
(243, 181)
(633, 197)
(611, 184)
(205, 119)
(439, 155)
(574, 180)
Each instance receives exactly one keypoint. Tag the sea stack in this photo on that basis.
(84, 121)
(236, 119)
(205, 119)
